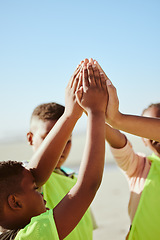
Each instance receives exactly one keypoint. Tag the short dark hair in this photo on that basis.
(11, 175)
(48, 111)
(157, 105)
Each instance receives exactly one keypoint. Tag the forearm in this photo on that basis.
(92, 96)
(141, 126)
(91, 169)
(89, 178)
(46, 157)
(114, 137)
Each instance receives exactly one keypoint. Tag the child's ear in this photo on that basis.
(30, 138)
(14, 202)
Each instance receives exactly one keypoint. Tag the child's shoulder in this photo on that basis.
(40, 227)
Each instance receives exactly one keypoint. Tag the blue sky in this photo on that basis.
(41, 42)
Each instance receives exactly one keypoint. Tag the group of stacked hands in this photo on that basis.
(23, 210)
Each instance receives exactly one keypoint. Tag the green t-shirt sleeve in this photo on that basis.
(41, 227)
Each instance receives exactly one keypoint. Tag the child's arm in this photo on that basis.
(137, 125)
(114, 137)
(71, 209)
(141, 126)
(46, 157)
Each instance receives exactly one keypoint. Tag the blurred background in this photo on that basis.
(41, 43)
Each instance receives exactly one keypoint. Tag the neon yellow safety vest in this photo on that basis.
(54, 190)
(41, 227)
(146, 222)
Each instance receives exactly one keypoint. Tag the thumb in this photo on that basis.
(112, 91)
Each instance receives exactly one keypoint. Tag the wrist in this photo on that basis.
(71, 115)
(116, 120)
(95, 112)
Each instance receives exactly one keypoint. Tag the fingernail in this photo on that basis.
(89, 64)
(109, 82)
(84, 67)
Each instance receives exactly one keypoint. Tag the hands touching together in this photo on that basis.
(138, 125)
(92, 96)
(86, 90)
(86, 87)
(89, 90)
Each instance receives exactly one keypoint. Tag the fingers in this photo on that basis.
(80, 80)
(76, 72)
(86, 61)
(104, 86)
(103, 82)
(79, 95)
(97, 77)
(91, 77)
(91, 61)
(77, 82)
(100, 69)
(85, 80)
(112, 92)
(94, 76)
(88, 73)
(111, 89)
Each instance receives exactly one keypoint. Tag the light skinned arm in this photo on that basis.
(93, 98)
(46, 157)
(138, 125)
(114, 137)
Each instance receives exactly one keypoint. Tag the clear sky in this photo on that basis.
(41, 42)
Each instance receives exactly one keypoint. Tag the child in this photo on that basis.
(136, 167)
(22, 207)
(60, 182)
(142, 172)
(43, 118)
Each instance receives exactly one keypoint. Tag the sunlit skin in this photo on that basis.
(24, 205)
(153, 145)
(39, 130)
(33, 202)
(93, 98)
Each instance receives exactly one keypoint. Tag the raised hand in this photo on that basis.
(92, 95)
(112, 111)
(71, 105)
(46, 157)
